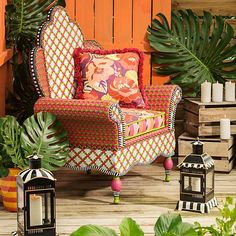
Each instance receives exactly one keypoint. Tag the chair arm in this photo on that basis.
(89, 123)
(91, 44)
(38, 72)
(164, 98)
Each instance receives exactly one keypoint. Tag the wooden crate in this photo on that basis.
(222, 151)
(203, 119)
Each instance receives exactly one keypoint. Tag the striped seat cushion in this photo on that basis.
(138, 122)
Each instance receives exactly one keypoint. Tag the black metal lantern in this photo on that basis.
(36, 201)
(197, 181)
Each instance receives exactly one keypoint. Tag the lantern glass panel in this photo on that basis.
(187, 183)
(40, 209)
(209, 181)
(20, 206)
(192, 183)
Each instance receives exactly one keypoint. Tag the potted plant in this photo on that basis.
(193, 49)
(42, 134)
(23, 19)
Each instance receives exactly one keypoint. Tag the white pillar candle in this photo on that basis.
(225, 128)
(217, 92)
(196, 184)
(36, 212)
(206, 92)
(229, 91)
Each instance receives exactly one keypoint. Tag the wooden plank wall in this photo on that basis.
(119, 24)
(217, 7)
(5, 55)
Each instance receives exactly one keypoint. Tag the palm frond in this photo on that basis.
(23, 18)
(193, 50)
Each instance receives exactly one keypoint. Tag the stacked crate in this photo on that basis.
(203, 120)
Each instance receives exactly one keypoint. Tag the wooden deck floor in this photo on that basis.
(83, 199)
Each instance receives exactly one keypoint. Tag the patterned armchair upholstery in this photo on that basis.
(99, 135)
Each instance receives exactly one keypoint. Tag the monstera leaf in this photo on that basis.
(44, 135)
(10, 142)
(193, 50)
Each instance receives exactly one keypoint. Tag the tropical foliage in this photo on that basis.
(193, 49)
(23, 18)
(128, 227)
(41, 134)
(225, 225)
(170, 224)
(44, 135)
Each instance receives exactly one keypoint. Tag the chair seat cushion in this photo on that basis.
(139, 121)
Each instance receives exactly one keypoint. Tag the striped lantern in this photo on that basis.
(35, 201)
(197, 181)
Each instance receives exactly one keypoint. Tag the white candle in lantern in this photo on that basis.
(225, 128)
(229, 91)
(206, 92)
(196, 184)
(217, 92)
(36, 205)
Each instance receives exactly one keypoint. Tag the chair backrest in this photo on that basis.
(57, 38)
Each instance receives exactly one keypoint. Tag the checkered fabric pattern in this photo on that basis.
(118, 162)
(89, 123)
(59, 37)
(164, 98)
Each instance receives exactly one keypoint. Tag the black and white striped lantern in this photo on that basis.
(197, 181)
(35, 200)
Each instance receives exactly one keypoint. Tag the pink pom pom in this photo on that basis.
(116, 184)
(168, 164)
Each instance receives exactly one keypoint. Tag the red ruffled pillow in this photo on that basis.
(110, 75)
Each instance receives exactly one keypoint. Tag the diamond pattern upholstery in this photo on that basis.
(59, 39)
(119, 162)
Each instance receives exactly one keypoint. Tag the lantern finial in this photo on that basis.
(34, 162)
(197, 147)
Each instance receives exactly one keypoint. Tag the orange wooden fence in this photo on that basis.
(120, 24)
(5, 55)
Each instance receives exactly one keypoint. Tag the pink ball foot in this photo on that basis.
(116, 187)
(168, 165)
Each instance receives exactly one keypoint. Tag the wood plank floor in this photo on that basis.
(84, 199)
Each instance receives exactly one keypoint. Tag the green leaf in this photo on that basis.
(185, 229)
(44, 135)
(229, 200)
(171, 224)
(193, 50)
(10, 132)
(22, 15)
(165, 223)
(129, 227)
(3, 171)
(93, 230)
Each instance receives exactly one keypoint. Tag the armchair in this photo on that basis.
(99, 133)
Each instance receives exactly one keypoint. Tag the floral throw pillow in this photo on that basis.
(114, 75)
